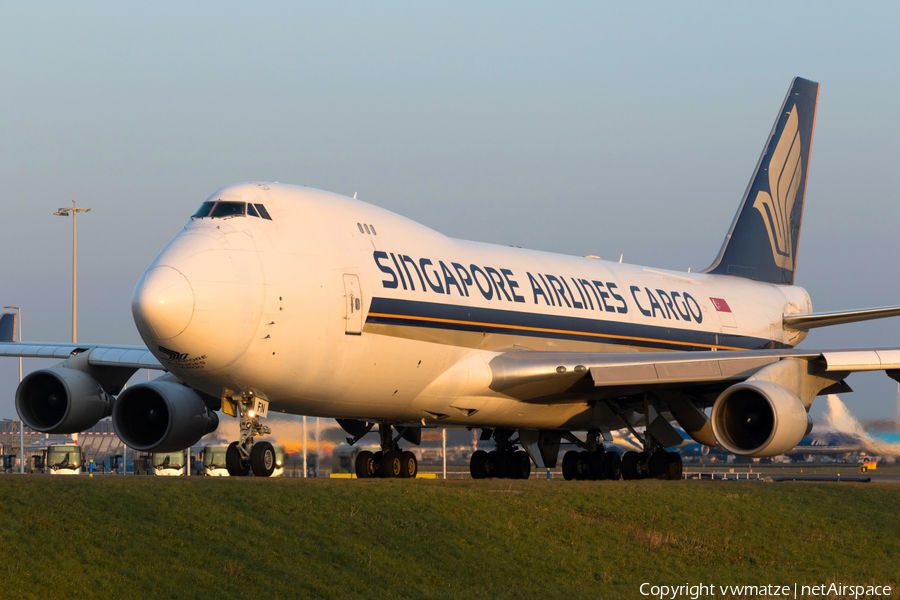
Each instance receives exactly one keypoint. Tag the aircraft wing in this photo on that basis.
(100, 355)
(559, 377)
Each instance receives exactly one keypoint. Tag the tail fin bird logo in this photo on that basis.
(777, 204)
(173, 356)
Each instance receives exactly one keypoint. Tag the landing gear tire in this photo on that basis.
(584, 465)
(658, 464)
(262, 459)
(365, 465)
(504, 468)
(234, 463)
(613, 465)
(643, 465)
(676, 467)
(520, 465)
(409, 466)
(377, 458)
(490, 464)
(478, 464)
(570, 465)
(391, 464)
(597, 465)
(630, 465)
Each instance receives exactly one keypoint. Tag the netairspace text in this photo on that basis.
(704, 590)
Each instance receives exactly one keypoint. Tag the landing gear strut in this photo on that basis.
(390, 461)
(504, 462)
(244, 456)
(654, 461)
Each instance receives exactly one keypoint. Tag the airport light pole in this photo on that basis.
(318, 445)
(64, 212)
(21, 425)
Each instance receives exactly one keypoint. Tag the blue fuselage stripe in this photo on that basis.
(435, 315)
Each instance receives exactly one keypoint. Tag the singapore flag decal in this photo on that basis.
(726, 317)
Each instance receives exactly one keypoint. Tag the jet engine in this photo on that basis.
(61, 400)
(759, 418)
(162, 416)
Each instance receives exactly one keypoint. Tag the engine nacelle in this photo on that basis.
(61, 400)
(162, 416)
(759, 418)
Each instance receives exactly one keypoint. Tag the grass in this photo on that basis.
(227, 538)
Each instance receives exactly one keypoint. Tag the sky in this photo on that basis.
(578, 128)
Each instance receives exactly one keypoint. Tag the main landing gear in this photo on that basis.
(593, 462)
(657, 464)
(605, 464)
(390, 461)
(593, 465)
(244, 456)
(505, 462)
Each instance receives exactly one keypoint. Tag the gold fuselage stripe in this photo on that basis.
(546, 330)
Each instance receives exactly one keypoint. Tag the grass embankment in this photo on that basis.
(116, 537)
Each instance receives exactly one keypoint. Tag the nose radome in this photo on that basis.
(163, 302)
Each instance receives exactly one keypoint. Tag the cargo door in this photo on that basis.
(353, 305)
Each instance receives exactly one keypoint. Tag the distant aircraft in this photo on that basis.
(844, 444)
(285, 298)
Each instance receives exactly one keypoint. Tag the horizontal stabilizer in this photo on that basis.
(825, 319)
(7, 327)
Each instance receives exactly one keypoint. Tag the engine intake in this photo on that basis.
(162, 416)
(61, 400)
(758, 419)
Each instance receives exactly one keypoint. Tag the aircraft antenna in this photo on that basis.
(354, 195)
(621, 256)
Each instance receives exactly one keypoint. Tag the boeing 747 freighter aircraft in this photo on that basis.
(284, 298)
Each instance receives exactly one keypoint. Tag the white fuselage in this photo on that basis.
(247, 304)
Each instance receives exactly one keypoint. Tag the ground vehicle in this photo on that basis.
(343, 457)
(279, 462)
(56, 456)
(214, 460)
(9, 463)
(868, 465)
(167, 463)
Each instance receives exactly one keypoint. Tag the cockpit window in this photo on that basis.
(263, 212)
(204, 210)
(221, 209)
(228, 209)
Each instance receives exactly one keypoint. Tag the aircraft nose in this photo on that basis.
(163, 302)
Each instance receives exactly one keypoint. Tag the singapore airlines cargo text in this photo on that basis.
(834, 590)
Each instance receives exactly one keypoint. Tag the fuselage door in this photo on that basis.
(353, 305)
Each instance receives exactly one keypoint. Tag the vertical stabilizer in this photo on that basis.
(762, 242)
(7, 327)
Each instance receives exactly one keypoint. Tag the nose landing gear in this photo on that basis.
(244, 456)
